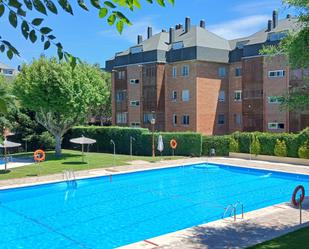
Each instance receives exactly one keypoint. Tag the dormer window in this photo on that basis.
(136, 50)
(277, 36)
(177, 45)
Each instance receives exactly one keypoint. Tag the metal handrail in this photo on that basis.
(233, 208)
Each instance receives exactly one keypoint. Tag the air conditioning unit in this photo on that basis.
(134, 81)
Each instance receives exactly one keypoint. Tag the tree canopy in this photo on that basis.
(59, 96)
(34, 29)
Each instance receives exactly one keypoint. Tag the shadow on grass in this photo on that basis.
(74, 163)
(32, 175)
(3, 171)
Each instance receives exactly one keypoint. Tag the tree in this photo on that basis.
(34, 30)
(60, 96)
(296, 47)
(6, 98)
(104, 106)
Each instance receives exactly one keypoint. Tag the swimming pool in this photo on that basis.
(99, 213)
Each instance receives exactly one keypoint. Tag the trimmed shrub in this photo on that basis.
(220, 143)
(280, 148)
(243, 139)
(234, 145)
(255, 146)
(303, 151)
(188, 143)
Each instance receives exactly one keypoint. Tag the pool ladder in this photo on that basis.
(69, 177)
(233, 210)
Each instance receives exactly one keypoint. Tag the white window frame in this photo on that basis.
(185, 95)
(174, 72)
(175, 119)
(222, 72)
(276, 74)
(135, 124)
(274, 126)
(134, 103)
(185, 71)
(185, 118)
(273, 100)
(174, 94)
(221, 97)
(121, 117)
(238, 93)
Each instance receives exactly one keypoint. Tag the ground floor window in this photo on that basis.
(275, 126)
(174, 119)
(148, 117)
(237, 119)
(185, 120)
(135, 124)
(121, 118)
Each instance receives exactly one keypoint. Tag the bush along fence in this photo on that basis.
(188, 143)
(193, 144)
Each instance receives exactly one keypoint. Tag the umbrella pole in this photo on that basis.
(5, 161)
(83, 152)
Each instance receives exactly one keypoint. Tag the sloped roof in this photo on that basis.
(4, 66)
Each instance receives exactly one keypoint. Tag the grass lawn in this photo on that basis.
(72, 160)
(295, 240)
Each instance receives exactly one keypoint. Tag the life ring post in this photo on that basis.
(295, 201)
(173, 145)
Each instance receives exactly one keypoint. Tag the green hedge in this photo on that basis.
(220, 143)
(189, 143)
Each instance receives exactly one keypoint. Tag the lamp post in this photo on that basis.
(131, 145)
(153, 122)
(114, 156)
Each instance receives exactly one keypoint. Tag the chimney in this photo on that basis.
(180, 26)
(149, 32)
(164, 30)
(139, 39)
(187, 24)
(202, 24)
(288, 16)
(176, 26)
(269, 25)
(172, 35)
(275, 18)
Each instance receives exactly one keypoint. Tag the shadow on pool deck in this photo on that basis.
(245, 233)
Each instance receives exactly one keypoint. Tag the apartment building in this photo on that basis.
(7, 71)
(191, 79)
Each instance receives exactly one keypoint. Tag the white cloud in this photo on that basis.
(258, 6)
(130, 33)
(240, 27)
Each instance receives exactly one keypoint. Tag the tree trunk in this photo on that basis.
(58, 139)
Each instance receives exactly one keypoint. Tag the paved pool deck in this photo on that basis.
(256, 227)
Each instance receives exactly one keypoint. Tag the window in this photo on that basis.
(174, 72)
(238, 72)
(120, 96)
(150, 71)
(134, 103)
(274, 100)
(237, 95)
(237, 119)
(174, 119)
(275, 126)
(177, 45)
(8, 71)
(277, 36)
(121, 118)
(136, 50)
(135, 124)
(241, 44)
(148, 117)
(185, 120)
(134, 81)
(221, 96)
(121, 75)
(185, 95)
(174, 95)
(185, 70)
(222, 72)
(221, 119)
(275, 74)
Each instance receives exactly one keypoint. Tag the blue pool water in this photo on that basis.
(102, 214)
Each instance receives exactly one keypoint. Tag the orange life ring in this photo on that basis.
(39, 155)
(302, 196)
(173, 144)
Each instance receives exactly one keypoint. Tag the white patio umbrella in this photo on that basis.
(6, 145)
(82, 140)
(160, 144)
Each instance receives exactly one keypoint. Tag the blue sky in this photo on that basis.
(91, 39)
